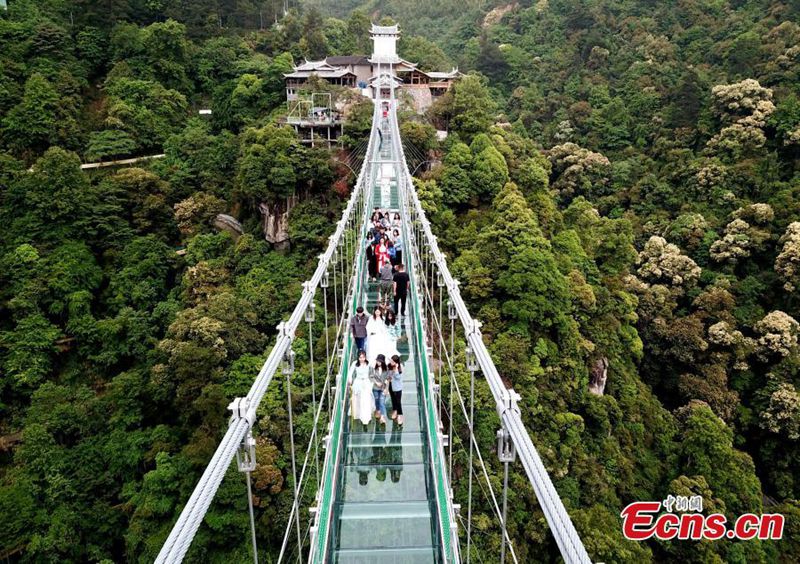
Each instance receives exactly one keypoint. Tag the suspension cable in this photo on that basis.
(314, 437)
(244, 410)
(473, 441)
(288, 370)
(310, 320)
(252, 518)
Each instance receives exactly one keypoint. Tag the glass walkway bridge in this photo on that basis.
(386, 489)
(383, 492)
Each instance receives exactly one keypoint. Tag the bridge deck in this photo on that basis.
(384, 501)
(385, 504)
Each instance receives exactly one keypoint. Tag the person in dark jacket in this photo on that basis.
(372, 260)
(358, 327)
(401, 285)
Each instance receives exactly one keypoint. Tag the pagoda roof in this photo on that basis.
(384, 30)
(348, 60)
(314, 65)
(323, 73)
(437, 74)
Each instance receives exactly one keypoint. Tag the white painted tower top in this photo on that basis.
(384, 43)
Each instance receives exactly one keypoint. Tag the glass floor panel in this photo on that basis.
(403, 447)
(384, 482)
(411, 420)
(363, 525)
(422, 555)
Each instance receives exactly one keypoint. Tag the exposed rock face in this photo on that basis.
(598, 376)
(276, 221)
(495, 15)
(421, 96)
(225, 222)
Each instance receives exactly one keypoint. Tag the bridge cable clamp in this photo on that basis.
(308, 288)
(472, 362)
(474, 327)
(506, 450)
(287, 368)
(240, 409)
(284, 331)
(509, 403)
(246, 453)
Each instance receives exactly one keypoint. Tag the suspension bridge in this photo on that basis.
(383, 493)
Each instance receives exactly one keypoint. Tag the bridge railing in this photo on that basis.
(513, 438)
(237, 439)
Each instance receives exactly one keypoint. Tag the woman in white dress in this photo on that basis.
(378, 339)
(362, 401)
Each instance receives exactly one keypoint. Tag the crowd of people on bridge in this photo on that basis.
(378, 369)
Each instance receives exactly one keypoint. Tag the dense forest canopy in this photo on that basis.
(618, 194)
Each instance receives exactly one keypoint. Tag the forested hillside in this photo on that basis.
(127, 320)
(618, 194)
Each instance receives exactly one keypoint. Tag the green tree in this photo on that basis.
(467, 107)
(358, 25)
(37, 121)
(144, 109)
(706, 449)
(313, 42)
(109, 144)
(456, 181)
(489, 173)
(427, 55)
(56, 197)
(28, 351)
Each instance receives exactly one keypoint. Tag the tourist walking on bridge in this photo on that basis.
(401, 284)
(361, 398)
(397, 240)
(387, 283)
(382, 252)
(394, 328)
(378, 341)
(396, 388)
(372, 260)
(358, 327)
(379, 376)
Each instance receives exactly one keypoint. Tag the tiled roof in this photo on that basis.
(348, 60)
(384, 29)
(323, 73)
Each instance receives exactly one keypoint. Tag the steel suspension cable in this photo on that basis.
(327, 339)
(244, 409)
(473, 441)
(288, 373)
(335, 291)
(252, 518)
(315, 437)
(471, 422)
(329, 364)
(310, 319)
